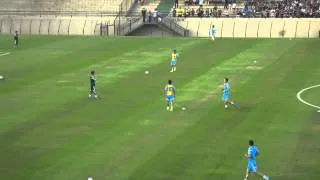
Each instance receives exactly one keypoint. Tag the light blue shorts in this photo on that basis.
(173, 63)
(225, 97)
(170, 99)
(252, 168)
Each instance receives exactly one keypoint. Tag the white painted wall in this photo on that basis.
(254, 27)
(52, 25)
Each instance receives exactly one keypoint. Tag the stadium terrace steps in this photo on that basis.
(165, 6)
(60, 5)
(137, 8)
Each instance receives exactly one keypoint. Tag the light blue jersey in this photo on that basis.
(253, 152)
(212, 32)
(226, 92)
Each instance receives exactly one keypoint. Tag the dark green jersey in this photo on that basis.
(93, 80)
(16, 37)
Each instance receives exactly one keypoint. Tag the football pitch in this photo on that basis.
(50, 130)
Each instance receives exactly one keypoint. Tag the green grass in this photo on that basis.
(49, 130)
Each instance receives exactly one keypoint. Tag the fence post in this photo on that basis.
(49, 27)
(258, 29)
(107, 25)
(30, 28)
(271, 28)
(309, 29)
(84, 26)
(69, 26)
(119, 33)
(100, 29)
(295, 34)
(198, 30)
(284, 25)
(1, 26)
(210, 28)
(59, 26)
(222, 29)
(234, 25)
(40, 26)
(11, 24)
(245, 33)
(20, 26)
(114, 27)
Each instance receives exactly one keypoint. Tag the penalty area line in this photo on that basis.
(305, 102)
(4, 54)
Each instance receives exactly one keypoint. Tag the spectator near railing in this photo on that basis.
(248, 8)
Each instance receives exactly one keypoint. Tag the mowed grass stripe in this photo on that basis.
(301, 120)
(46, 62)
(67, 83)
(112, 118)
(59, 111)
(209, 127)
(234, 136)
(277, 129)
(142, 141)
(147, 138)
(46, 116)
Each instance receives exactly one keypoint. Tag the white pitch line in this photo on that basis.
(305, 102)
(4, 54)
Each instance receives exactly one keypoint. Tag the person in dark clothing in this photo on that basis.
(176, 3)
(144, 14)
(150, 16)
(16, 39)
(93, 80)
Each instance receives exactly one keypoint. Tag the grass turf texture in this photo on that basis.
(49, 130)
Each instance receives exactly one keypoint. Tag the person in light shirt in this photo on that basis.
(252, 168)
(170, 93)
(212, 32)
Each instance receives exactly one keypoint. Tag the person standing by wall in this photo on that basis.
(176, 3)
(16, 39)
(150, 16)
(155, 15)
(144, 14)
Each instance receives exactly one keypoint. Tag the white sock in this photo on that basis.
(226, 106)
(232, 102)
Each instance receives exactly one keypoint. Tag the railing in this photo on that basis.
(124, 25)
(125, 6)
(174, 26)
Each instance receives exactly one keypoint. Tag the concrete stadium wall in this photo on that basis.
(53, 25)
(254, 27)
